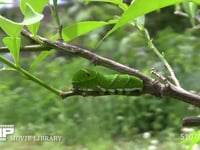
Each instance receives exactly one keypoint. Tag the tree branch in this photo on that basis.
(30, 76)
(151, 86)
(30, 48)
(191, 121)
(99, 93)
(181, 94)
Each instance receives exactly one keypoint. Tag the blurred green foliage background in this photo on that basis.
(98, 122)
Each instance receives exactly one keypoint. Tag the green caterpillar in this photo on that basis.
(88, 79)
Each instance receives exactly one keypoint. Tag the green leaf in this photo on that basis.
(13, 29)
(121, 5)
(41, 57)
(7, 69)
(13, 45)
(34, 9)
(31, 16)
(140, 21)
(196, 1)
(34, 28)
(139, 8)
(81, 28)
(191, 9)
(37, 5)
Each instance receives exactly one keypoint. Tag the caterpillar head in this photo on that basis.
(84, 78)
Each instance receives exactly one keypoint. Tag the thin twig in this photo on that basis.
(159, 75)
(29, 48)
(58, 20)
(180, 13)
(29, 76)
(56, 12)
(183, 14)
(160, 56)
(87, 93)
(191, 121)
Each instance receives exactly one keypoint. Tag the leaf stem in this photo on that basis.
(156, 51)
(57, 19)
(29, 48)
(56, 12)
(30, 76)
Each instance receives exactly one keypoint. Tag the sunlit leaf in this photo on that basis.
(140, 21)
(191, 9)
(81, 28)
(7, 69)
(31, 16)
(116, 2)
(37, 5)
(196, 1)
(140, 8)
(33, 28)
(13, 44)
(13, 29)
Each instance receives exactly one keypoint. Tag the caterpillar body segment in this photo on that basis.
(87, 79)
